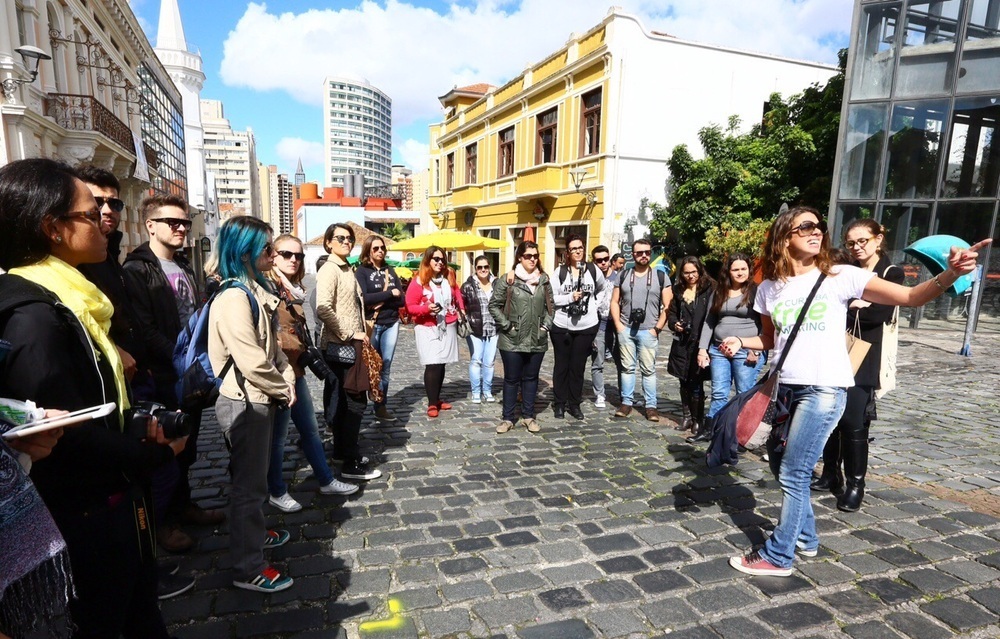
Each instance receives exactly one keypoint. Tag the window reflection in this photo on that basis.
(872, 76)
(914, 148)
(974, 149)
(926, 60)
(981, 51)
(905, 224)
(862, 151)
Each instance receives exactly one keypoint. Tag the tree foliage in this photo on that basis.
(728, 238)
(786, 158)
(396, 231)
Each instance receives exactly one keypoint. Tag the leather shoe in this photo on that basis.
(623, 411)
(558, 412)
(202, 517)
(575, 412)
(173, 539)
(652, 415)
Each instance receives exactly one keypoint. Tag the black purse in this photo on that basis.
(341, 354)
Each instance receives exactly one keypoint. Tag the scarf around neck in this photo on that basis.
(530, 279)
(91, 307)
(297, 292)
(441, 294)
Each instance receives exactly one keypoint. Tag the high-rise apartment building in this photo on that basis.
(403, 177)
(357, 131)
(232, 157)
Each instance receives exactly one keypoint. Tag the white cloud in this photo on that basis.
(289, 150)
(414, 154)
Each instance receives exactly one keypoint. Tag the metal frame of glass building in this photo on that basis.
(919, 148)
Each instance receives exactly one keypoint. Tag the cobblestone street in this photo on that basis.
(607, 528)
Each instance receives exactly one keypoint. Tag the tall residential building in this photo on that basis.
(281, 200)
(264, 178)
(357, 131)
(232, 156)
(578, 140)
(919, 146)
(300, 174)
(403, 177)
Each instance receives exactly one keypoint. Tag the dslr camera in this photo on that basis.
(312, 359)
(637, 316)
(580, 307)
(175, 424)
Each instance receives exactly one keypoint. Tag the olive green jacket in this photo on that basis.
(523, 318)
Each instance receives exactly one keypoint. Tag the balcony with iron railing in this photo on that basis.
(86, 113)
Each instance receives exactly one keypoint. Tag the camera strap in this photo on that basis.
(649, 288)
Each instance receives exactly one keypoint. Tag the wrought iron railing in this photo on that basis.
(86, 113)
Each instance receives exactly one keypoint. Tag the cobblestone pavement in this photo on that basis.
(607, 528)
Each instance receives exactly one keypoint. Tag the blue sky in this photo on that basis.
(266, 61)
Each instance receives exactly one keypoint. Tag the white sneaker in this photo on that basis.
(285, 503)
(337, 487)
(489, 398)
(599, 402)
(476, 399)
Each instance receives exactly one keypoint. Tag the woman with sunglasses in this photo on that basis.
(817, 371)
(849, 442)
(476, 292)
(685, 319)
(730, 314)
(523, 312)
(574, 326)
(339, 308)
(383, 296)
(286, 277)
(95, 484)
(434, 302)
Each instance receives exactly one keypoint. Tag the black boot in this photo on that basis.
(855, 469)
(832, 478)
(686, 422)
(705, 429)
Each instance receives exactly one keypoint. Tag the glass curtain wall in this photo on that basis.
(919, 150)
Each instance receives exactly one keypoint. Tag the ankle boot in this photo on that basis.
(855, 469)
(705, 428)
(832, 478)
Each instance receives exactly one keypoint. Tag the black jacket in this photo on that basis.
(474, 311)
(53, 363)
(872, 321)
(109, 276)
(374, 291)
(156, 309)
(683, 360)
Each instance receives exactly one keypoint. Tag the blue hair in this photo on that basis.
(241, 240)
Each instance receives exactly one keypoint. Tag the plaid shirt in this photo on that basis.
(489, 326)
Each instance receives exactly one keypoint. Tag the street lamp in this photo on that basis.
(27, 52)
(578, 175)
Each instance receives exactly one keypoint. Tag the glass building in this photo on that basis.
(163, 129)
(918, 147)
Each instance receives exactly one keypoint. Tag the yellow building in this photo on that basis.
(575, 143)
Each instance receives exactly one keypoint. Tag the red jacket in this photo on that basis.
(418, 301)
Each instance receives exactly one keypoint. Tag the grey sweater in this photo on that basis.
(730, 321)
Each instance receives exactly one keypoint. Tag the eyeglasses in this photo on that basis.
(859, 243)
(690, 273)
(807, 228)
(344, 239)
(640, 253)
(576, 248)
(173, 222)
(437, 260)
(378, 248)
(113, 203)
(484, 267)
(290, 254)
(92, 216)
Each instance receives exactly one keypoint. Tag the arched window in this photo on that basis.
(58, 59)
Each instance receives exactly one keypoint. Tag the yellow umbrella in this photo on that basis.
(448, 240)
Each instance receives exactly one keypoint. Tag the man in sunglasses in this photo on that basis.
(601, 256)
(166, 295)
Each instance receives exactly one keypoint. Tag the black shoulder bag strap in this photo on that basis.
(795, 329)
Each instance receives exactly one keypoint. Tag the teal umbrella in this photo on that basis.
(933, 251)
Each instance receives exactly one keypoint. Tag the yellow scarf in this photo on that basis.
(88, 303)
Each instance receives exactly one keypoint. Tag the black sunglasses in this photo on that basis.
(437, 259)
(602, 260)
(642, 252)
(173, 222)
(483, 267)
(378, 247)
(290, 254)
(113, 203)
(805, 229)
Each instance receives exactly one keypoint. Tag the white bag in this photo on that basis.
(890, 347)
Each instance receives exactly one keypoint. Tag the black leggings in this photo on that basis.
(572, 349)
(433, 381)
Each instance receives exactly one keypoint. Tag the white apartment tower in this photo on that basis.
(232, 157)
(357, 131)
(280, 192)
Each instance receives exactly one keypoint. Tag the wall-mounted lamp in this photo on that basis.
(28, 53)
(578, 175)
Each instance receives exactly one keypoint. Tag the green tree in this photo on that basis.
(396, 231)
(786, 158)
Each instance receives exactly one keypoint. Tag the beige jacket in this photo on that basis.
(338, 302)
(254, 349)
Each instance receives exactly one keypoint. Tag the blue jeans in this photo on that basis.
(482, 355)
(815, 412)
(384, 340)
(726, 370)
(638, 346)
(304, 415)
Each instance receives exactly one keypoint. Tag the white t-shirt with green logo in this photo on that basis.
(819, 353)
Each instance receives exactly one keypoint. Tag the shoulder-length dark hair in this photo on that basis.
(522, 247)
(366, 249)
(567, 254)
(332, 230)
(871, 226)
(300, 272)
(32, 193)
(725, 283)
(425, 273)
(704, 280)
(777, 262)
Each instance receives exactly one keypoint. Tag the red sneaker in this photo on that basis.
(444, 405)
(432, 411)
(753, 564)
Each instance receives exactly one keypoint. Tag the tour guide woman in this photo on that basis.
(817, 370)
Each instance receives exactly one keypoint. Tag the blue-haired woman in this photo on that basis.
(257, 381)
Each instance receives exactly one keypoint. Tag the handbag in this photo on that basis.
(890, 350)
(342, 354)
(462, 327)
(857, 348)
(373, 362)
(758, 414)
